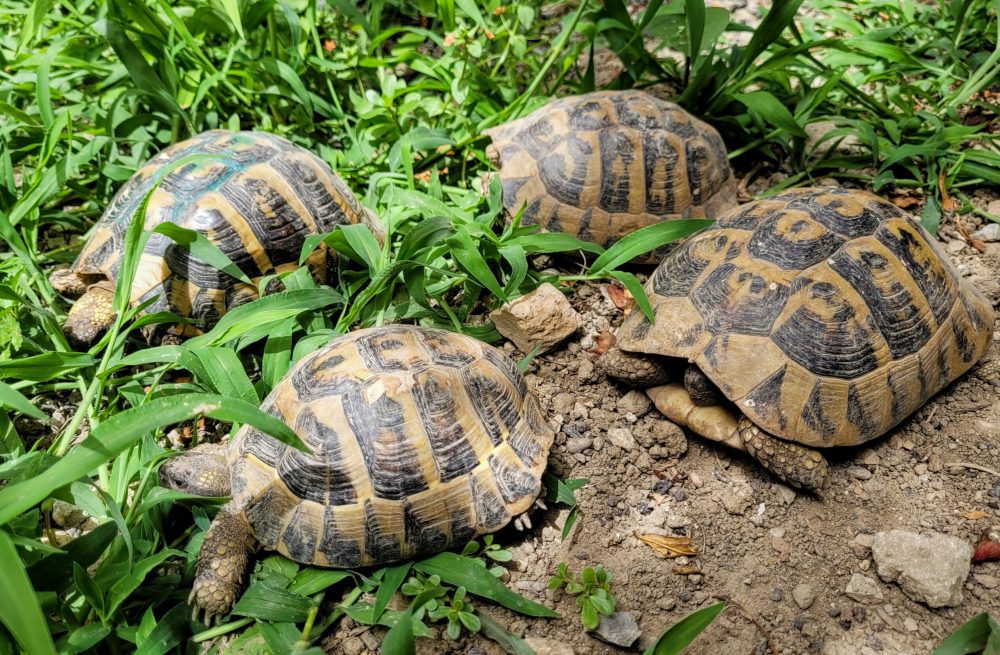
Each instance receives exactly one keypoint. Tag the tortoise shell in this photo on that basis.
(826, 315)
(604, 164)
(255, 195)
(421, 439)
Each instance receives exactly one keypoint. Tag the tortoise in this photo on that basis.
(604, 164)
(810, 319)
(255, 195)
(420, 440)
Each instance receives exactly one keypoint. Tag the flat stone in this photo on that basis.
(541, 318)
(863, 589)
(543, 646)
(930, 567)
(622, 437)
(989, 232)
(635, 402)
(859, 472)
(578, 444)
(619, 629)
(736, 498)
(803, 595)
(988, 581)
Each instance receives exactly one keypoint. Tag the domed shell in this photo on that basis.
(604, 164)
(421, 439)
(826, 315)
(255, 195)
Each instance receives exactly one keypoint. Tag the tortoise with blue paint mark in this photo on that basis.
(255, 195)
(420, 440)
(810, 319)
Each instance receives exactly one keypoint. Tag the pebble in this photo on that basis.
(578, 444)
(622, 437)
(618, 629)
(662, 487)
(859, 472)
(679, 494)
(989, 232)
(675, 521)
(586, 370)
(803, 595)
(988, 581)
(635, 402)
(777, 595)
(696, 480)
(995, 490)
(548, 646)
(541, 318)
(863, 589)
(736, 498)
(930, 568)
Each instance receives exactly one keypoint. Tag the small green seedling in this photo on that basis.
(592, 588)
(458, 612)
(491, 551)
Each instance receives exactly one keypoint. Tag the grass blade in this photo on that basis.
(680, 635)
(971, 637)
(125, 428)
(394, 576)
(645, 240)
(200, 247)
(19, 608)
(11, 397)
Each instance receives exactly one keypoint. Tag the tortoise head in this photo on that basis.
(72, 283)
(202, 471)
(91, 315)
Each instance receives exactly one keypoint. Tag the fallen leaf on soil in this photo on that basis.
(947, 203)
(906, 201)
(619, 295)
(602, 342)
(975, 515)
(988, 547)
(669, 546)
(686, 570)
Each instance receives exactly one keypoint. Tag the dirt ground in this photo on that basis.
(757, 539)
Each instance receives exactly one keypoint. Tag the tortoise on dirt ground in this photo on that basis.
(814, 318)
(421, 439)
(255, 195)
(604, 164)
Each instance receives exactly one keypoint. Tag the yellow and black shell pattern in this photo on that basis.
(421, 439)
(604, 164)
(255, 195)
(826, 315)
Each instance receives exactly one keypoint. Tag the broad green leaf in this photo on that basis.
(171, 629)
(972, 637)
(469, 573)
(394, 576)
(232, 9)
(511, 643)
(552, 242)
(202, 248)
(39, 368)
(310, 581)
(771, 110)
(635, 288)
(11, 397)
(19, 608)
(125, 428)
(269, 603)
(225, 372)
(55, 572)
(645, 240)
(680, 635)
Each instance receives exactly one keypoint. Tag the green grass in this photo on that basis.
(394, 96)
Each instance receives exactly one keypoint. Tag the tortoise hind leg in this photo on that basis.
(794, 463)
(797, 465)
(223, 563)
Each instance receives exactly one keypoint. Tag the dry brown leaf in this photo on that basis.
(619, 295)
(975, 515)
(905, 202)
(947, 203)
(669, 546)
(602, 342)
(686, 570)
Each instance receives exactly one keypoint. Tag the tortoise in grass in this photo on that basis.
(814, 318)
(255, 195)
(421, 439)
(604, 164)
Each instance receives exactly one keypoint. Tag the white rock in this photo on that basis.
(863, 589)
(930, 567)
(622, 437)
(578, 444)
(548, 646)
(803, 595)
(989, 232)
(620, 629)
(737, 497)
(541, 318)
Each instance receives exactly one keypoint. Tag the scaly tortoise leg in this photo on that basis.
(223, 563)
(635, 369)
(797, 465)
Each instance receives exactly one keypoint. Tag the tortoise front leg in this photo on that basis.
(223, 563)
(635, 369)
(797, 465)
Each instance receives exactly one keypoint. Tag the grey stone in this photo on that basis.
(930, 568)
(619, 629)
(622, 437)
(541, 318)
(989, 232)
(578, 444)
(543, 646)
(863, 589)
(859, 472)
(737, 497)
(803, 595)
(635, 402)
